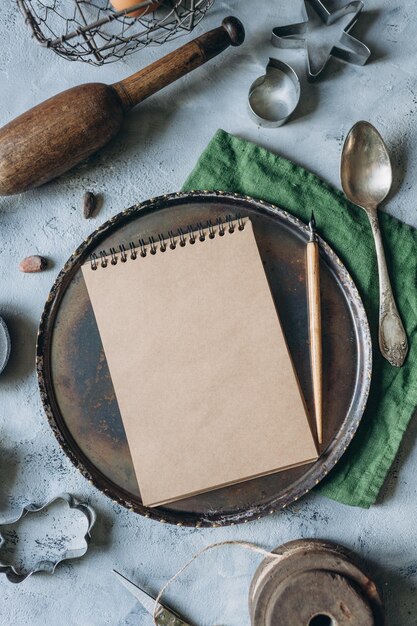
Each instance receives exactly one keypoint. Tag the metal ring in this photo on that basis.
(183, 241)
(123, 255)
(202, 236)
(103, 258)
(113, 256)
(173, 243)
(152, 245)
(142, 247)
(191, 234)
(162, 243)
(93, 261)
(212, 233)
(221, 226)
(133, 254)
(241, 223)
(231, 224)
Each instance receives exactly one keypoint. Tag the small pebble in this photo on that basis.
(34, 263)
(89, 204)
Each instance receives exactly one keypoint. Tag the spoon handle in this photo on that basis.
(392, 338)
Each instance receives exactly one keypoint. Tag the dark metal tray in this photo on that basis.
(76, 388)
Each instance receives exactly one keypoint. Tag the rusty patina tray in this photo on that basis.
(76, 388)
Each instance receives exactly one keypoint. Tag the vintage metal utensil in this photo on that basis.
(48, 564)
(345, 47)
(4, 345)
(163, 615)
(274, 96)
(366, 178)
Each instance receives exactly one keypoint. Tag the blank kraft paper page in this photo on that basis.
(201, 372)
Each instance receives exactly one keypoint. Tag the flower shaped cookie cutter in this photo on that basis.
(13, 574)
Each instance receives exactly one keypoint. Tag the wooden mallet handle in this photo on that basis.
(148, 81)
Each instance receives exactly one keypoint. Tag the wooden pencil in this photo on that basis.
(314, 320)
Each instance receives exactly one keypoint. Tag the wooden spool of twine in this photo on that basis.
(316, 583)
(304, 583)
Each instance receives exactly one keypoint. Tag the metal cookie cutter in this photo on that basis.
(347, 48)
(16, 576)
(4, 345)
(274, 96)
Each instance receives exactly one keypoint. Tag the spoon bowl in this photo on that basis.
(366, 178)
(365, 173)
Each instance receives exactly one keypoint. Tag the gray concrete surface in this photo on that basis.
(158, 147)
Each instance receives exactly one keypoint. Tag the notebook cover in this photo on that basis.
(204, 382)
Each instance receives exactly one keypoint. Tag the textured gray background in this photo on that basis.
(158, 147)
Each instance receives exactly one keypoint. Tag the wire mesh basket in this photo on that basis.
(94, 32)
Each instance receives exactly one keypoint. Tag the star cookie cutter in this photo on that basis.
(16, 576)
(347, 48)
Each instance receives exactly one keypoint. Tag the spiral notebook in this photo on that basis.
(204, 382)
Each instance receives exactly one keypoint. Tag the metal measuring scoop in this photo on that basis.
(366, 178)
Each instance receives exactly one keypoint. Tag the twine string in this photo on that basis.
(246, 545)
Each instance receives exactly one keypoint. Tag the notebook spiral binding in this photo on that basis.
(180, 238)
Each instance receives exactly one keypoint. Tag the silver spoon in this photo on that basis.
(366, 178)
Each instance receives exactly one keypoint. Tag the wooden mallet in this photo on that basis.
(51, 138)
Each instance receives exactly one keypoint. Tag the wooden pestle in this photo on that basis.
(55, 135)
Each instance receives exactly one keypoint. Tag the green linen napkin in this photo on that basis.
(231, 164)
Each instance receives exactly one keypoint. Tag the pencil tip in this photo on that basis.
(312, 222)
(312, 228)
